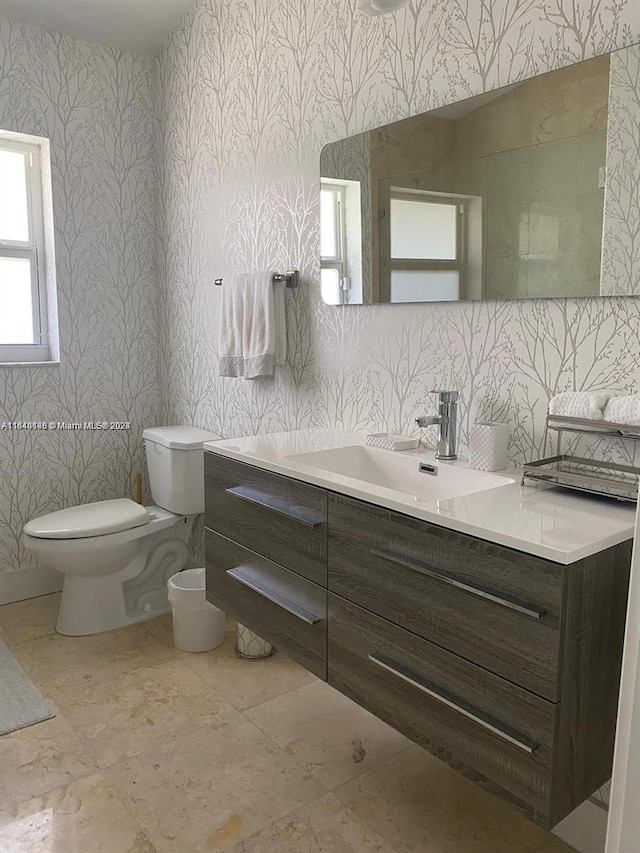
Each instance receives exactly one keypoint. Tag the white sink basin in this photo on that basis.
(400, 471)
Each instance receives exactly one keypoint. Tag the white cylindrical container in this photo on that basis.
(198, 626)
(250, 645)
(488, 444)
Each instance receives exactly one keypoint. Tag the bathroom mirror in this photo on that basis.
(501, 196)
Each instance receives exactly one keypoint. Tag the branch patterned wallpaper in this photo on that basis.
(93, 103)
(249, 94)
(223, 177)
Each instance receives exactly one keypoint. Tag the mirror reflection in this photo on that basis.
(498, 196)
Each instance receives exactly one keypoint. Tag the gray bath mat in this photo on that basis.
(21, 703)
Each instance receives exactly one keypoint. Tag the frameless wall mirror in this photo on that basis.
(527, 191)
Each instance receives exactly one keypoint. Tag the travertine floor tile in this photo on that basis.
(196, 775)
(83, 817)
(419, 805)
(124, 716)
(242, 682)
(39, 758)
(67, 668)
(323, 827)
(554, 845)
(246, 683)
(162, 628)
(30, 619)
(332, 737)
(209, 787)
(6, 639)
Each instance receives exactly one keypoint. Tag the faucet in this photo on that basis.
(447, 419)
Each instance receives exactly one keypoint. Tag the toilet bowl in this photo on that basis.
(116, 556)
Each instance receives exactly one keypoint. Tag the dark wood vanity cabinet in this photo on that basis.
(286, 609)
(282, 519)
(501, 663)
(496, 607)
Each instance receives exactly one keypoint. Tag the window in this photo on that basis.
(424, 231)
(332, 242)
(421, 245)
(23, 316)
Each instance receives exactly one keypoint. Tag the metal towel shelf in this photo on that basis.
(595, 476)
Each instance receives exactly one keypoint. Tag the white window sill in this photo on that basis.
(29, 364)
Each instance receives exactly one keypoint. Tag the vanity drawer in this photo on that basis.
(449, 706)
(280, 518)
(495, 607)
(280, 606)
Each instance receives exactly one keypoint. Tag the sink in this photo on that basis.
(399, 471)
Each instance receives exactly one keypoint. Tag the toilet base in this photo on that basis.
(93, 605)
(135, 593)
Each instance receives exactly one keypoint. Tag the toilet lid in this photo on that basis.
(95, 519)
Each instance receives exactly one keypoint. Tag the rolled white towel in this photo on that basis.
(579, 404)
(623, 410)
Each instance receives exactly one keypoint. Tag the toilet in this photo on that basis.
(116, 556)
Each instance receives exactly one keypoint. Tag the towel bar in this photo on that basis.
(290, 278)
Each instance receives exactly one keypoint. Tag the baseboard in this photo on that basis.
(28, 583)
(585, 829)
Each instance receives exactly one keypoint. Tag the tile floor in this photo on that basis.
(158, 751)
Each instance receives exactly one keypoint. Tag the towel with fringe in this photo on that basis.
(253, 337)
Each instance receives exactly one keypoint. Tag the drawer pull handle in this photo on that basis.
(505, 732)
(245, 575)
(298, 513)
(453, 580)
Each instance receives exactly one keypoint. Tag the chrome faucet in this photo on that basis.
(447, 419)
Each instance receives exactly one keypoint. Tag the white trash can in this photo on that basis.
(198, 626)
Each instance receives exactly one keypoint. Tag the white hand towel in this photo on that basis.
(280, 353)
(579, 404)
(623, 410)
(251, 324)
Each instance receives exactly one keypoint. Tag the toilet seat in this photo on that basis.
(89, 520)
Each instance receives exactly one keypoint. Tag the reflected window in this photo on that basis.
(412, 285)
(424, 229)
(332, 242)
(423, 243)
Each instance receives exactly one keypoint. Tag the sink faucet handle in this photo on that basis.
(446, 396)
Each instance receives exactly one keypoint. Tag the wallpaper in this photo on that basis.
(621, 238)
(249, 93)
(93, 104)
(223, 178)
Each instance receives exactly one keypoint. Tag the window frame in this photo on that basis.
(34, 249)
(389, 190)
(339, 261)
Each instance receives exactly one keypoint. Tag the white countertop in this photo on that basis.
(547, 521)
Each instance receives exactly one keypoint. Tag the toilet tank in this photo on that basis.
(175, 460)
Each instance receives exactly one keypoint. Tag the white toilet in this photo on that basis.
(116, 556)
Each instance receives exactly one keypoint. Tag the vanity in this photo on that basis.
(481, 618)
